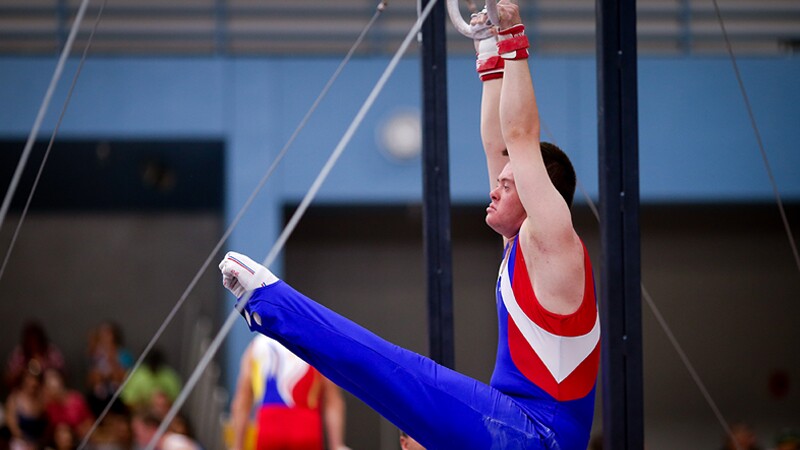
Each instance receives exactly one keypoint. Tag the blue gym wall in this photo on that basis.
(696, 141)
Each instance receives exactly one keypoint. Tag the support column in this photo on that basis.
(436, 187)
(620, 295)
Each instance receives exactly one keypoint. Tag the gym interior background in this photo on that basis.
(182, 106)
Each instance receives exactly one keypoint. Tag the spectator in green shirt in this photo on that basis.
(154, 377)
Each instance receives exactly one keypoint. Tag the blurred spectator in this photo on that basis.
(181, 426)
(596, 442)
(65, 406)
(408, 443)
(153, 378)
(34, 352)
(5, 434)
(298, 408)
(160, 404)
(25, 412)
(742, 437)
(788, 439)
(63, 438)
(108, 363)
(113, 433)
(145, 425)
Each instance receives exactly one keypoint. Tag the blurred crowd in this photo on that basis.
(46, 408)
(743, 437)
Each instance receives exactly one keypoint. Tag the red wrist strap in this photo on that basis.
(490, 68)
(512, 43)
(491, 76)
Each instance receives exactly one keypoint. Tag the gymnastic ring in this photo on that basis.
(474, 32)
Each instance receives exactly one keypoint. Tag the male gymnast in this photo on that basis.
(541, 395)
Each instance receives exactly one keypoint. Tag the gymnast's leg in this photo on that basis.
(440, 408)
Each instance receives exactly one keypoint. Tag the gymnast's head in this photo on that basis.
(505, 213)
(559, 169)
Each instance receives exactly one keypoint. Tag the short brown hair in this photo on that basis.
(560, 170)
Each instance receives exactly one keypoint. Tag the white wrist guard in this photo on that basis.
(489, 64)
(240, 274)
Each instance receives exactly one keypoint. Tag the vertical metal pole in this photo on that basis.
(436, 187)
(623, 410)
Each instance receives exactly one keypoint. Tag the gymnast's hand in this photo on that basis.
(489, 64)
(240, 274)
(479, 22)
(508, 13)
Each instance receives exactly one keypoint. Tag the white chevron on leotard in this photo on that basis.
(560, 354)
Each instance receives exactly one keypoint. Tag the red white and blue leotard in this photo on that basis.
(548, 362)
(541, 394)
(289, 393)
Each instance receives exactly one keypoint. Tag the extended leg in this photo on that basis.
(440, 408)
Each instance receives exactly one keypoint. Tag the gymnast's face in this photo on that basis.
(505, 213)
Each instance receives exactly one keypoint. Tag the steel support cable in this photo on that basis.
(245, 207)
(689, 366)
(757, 133)
(26, 152)
(52, 140)
(290, 226)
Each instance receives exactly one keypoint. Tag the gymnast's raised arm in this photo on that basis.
(555, 257)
